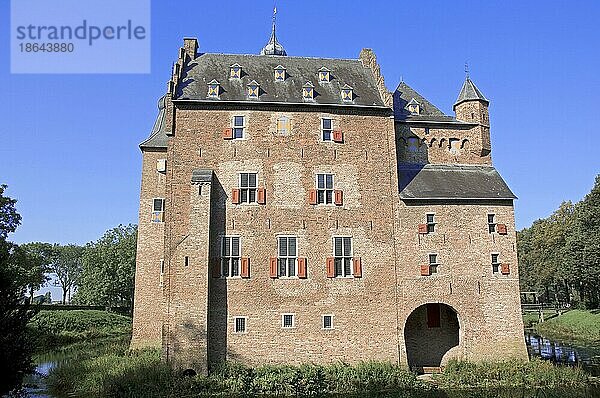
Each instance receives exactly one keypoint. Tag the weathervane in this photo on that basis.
(467, 69)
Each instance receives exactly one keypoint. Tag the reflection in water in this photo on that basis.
(568, 354)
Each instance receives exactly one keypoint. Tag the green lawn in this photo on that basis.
(573, 325)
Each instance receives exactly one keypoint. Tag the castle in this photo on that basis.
(293, 210)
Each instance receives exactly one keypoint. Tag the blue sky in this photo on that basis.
(69, 142)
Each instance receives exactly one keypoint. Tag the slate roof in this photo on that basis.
(299, 70)
(453, 182)
(405, 94)
(201, 176)
(470, 92)
(158, 136)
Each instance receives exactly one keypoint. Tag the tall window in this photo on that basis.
(288, 321)
(430, 222)
(283, 126)
(325, 189)
(495, 263)
(327, 129)
(287, 260)
(342, 252)
(239, 324)
(327, 321)
(230, 256)
(158, 209)
(239, 126)
(433, 263)
(491, 223)
(248, 187)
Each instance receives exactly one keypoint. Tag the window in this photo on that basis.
(283, 126)
(347, 94)
(495, 263)
(433, 263)
(235, 71)
(324, 75)
(248, 187)
(253, 90)
(327, 321)
(186, 261)
(430, 223)
(288, 321)
(342, 253)
(308, 91)
(213, 89)
(327, 129)
(230, 256)
(162, 266)
(239, 324)
(158, 209)
(491, 223)
(239, 127)
(279, 73)
(287, 260)
(325, 189)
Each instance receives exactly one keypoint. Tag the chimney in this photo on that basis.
(190, 45)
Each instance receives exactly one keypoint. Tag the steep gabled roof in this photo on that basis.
(158, 136)
(299, 70)
(470, 92)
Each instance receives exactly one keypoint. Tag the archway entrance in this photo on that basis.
(430, 332)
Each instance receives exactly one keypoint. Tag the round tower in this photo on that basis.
(471, 106)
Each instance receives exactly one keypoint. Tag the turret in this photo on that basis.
(471, 106)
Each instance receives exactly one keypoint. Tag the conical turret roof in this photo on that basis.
(470, 92)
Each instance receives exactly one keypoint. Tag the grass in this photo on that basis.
(53, 329)
(576, 325)
(512, 373)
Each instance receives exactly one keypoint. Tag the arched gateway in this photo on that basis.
(430, 332)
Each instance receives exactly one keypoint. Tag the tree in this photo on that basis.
(38, 257)
(15, 357)
(67, 265)
(109, 268)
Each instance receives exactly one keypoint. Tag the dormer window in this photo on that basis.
(280, 73)
(308, 91)
(214, 89)
(347, 93)
(235, 71)
(253, 89)
(324, 75)
(414, 107)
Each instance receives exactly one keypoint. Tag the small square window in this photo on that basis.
(280, 73)
(239, 324)
(239, 127)
(327, 321)
(324, 75)
(491, 223)
(327, 129)
(495, 263)
(430, 223)
(235, 71)
(253, 90)
(308, 91)
(288, 321)
(433, 263)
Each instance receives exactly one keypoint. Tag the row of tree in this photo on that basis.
(559, 256)
(100, 273)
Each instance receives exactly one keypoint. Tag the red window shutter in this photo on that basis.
(422, 228)
(425, 270)
(245, 272)
(273, 267)
(228, 134)
(505, 269)
(261, 196)
(433, 315)
(302, 267)
(338, 197)
(357, 267)
(501, 229)
(338, 136)
(215, 264)
(235, 196)
(312, 196)
(330, 267)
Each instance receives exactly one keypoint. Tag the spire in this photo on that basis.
(470, 92)
(273, 47)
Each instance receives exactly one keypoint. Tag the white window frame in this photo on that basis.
(235, 319)
(293, 315)
(436, 264)
(230, 258)
(431, 224)
(323, 322)
(235, 127)
(323, 129)
(275, 70)
(490, 224)
(343, 257)
(498, 264)
(325, 190)
(248, 189)
(288, 257)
